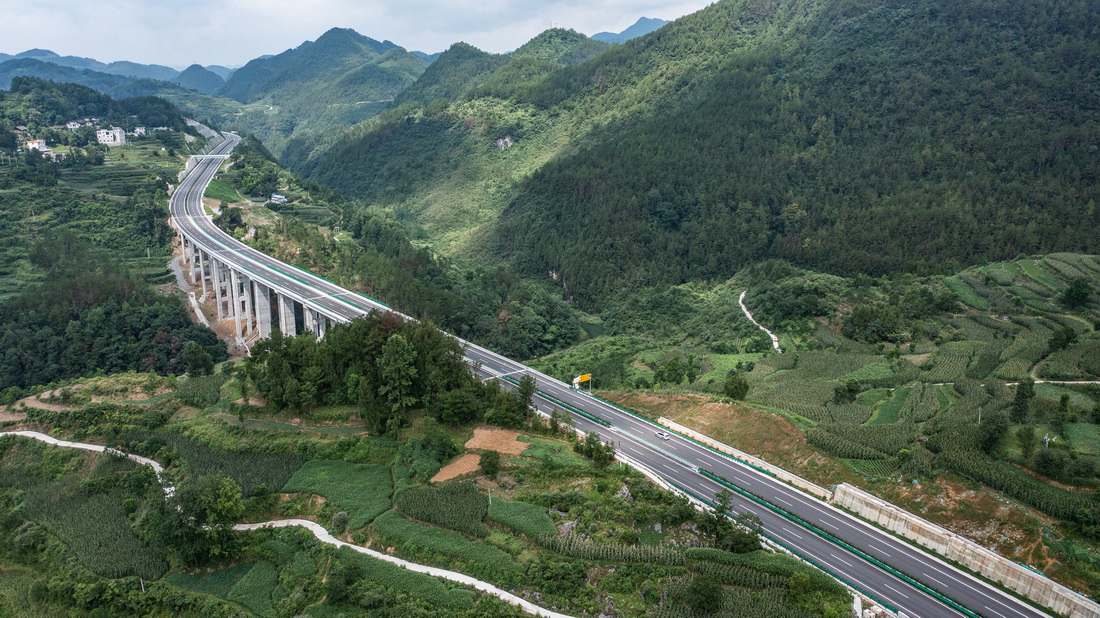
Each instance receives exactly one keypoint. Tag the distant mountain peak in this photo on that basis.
(37, 53)
(644, 25)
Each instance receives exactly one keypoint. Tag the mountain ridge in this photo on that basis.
(643, 26)
(781, 125)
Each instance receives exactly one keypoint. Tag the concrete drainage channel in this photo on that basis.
(318, 530)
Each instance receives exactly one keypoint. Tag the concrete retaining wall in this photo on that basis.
(967, 553)
(779, 473)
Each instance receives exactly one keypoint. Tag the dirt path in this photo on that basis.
(775, 340)
(319, 532)
(324, 536)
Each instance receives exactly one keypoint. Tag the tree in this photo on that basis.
(1077, 294)
(1062, 339)
(489, 462)
(1061, 414)
(397, 370)
(846, 392)
(526, 392)
(197, 360)
(1050, 462)
(691, 369)
(736, 387)
(1025, 436)
(196, 522)
(992, 429)
(703, 595)
(1025, 390)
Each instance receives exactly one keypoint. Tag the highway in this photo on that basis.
(678, 460)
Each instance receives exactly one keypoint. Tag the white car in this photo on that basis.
(662, 435)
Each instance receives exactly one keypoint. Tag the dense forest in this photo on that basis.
(90, 315)
(965, 131)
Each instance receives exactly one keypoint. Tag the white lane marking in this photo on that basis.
(844, 561)
(895, 590)
(993, 612)
(783, 501)
(879, 550)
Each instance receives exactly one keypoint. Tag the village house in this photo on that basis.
(114, 136)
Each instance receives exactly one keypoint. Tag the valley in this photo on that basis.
(852, 245)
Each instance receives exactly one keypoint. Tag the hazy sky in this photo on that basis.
(232, 32)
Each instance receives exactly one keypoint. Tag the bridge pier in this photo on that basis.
(286, 316)
(248, 313)
(235, 299)
(263, 309)
(219, 295)
(202, 271)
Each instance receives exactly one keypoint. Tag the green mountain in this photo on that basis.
(341, 78)
(644, 25)
(124, 68)
(200, 79)
(452, 74)
(851, 137)
(561, 46)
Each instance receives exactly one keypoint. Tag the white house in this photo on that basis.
(139, 131)
(114, 136)
(36, 144)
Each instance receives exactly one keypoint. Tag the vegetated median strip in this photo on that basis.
(317, 530)
(833, 539)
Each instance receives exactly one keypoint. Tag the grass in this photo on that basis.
(16, 598)
(392, 526)
(422, 586)
(556, 453)
(522, 517)
(1084, 437)
(362, 490)
(221, 190)
(722, 364)
(871, 371)
(254, 589)
(966, 293)
(215, 583)
(887, 411)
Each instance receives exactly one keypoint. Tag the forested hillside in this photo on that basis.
(341, 78)
(84, 236)
(965, 131)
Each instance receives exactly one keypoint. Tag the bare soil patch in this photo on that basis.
(757, 432)
(6, 416)
(34, 402)
(502, 441)
(466, 464)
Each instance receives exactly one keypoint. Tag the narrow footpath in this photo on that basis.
(775, 340)
(318, 530)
